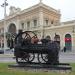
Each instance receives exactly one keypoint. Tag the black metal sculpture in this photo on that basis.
(27, 48)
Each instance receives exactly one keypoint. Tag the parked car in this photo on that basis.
(1, 51)
(12, 50)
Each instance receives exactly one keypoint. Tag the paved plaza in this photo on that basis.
(67, 57)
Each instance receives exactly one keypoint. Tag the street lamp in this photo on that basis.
(4, 5)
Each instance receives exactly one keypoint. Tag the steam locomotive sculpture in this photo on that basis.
(28, 49)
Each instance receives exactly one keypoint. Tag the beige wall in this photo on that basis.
(41, 13)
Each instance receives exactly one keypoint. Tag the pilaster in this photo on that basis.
(73, 41)
(18, 26)
(41, 22)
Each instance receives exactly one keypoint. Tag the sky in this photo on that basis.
(66, 7)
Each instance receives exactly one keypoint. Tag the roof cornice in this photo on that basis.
(39, 5)
(32, 8)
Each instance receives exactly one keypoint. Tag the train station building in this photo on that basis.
(43, 20)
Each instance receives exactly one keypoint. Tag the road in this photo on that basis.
(7, 56)
(63, 57)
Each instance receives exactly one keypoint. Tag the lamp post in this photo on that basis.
(4, 5)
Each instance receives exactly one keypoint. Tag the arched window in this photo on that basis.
(12, 28)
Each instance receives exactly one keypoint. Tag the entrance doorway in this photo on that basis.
(11, 35)
(68, 42)
(57, 39)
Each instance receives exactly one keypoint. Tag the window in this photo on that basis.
(35, 23)
(28, 25)
(46, 22)
(22, 25)
(12, 28)
(52, 22)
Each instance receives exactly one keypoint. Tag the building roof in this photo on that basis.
(32, 8)
(40, 5)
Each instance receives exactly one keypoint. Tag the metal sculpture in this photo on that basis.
(27, 49)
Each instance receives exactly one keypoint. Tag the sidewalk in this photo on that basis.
(67, 57)
(65, 53)
(60, 53)
(6, 55)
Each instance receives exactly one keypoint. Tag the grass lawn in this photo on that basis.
(4, 70)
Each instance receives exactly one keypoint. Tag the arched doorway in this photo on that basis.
(57, 39)
(11, 35)
(48, 37)
(68, 42)
(12, 28)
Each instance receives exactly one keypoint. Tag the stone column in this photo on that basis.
(41, 22)
(62, 41)
(1, 43)
(73, 42)
(18, 26)
(5, 39)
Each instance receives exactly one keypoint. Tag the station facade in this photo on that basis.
(43, 20)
